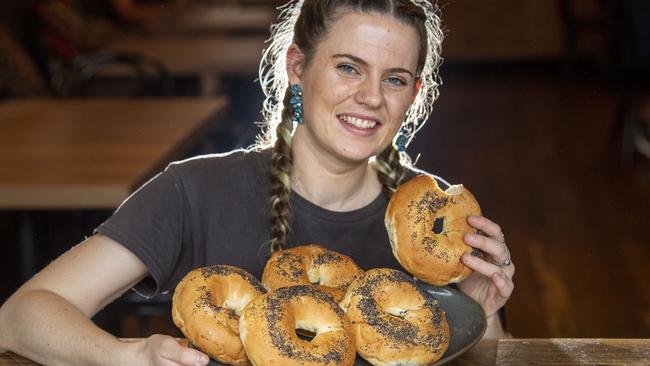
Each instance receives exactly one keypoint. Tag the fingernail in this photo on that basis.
(471, 238)
(203, 360)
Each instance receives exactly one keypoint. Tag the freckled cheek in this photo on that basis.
(338, 93)
(335, 89)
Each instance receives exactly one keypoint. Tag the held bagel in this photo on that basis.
(206, 306)
(426, 227)
(393, 321)
(310, 264)
(268, 329)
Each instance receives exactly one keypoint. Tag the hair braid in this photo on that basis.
(391, 168)
(281, 165)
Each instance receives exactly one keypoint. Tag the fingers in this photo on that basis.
(490, 228)
(171, 350)
(479, 265)
(494, 248)
(503, 283)
(492, 243)
(500, 276)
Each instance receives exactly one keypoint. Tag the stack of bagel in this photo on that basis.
(314, 306)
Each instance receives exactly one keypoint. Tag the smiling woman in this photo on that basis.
(356, 90)
(348, 84)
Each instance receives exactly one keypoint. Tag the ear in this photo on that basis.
(418, 85)
(295, 59)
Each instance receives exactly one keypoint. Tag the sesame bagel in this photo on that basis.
(393, 321)
(268, 329)
(206, 306)
(426, 226)
(311, 264)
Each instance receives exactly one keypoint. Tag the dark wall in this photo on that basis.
(15, 14)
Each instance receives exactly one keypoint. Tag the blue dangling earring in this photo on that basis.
(296, 103)
(401, 141)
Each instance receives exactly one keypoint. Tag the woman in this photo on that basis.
(362, 77)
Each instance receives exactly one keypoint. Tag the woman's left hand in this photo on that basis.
(491, 283)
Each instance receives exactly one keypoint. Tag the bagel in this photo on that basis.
(206, 306)
(310, 264)
(268, 329)
(393, 321)
(426, 227)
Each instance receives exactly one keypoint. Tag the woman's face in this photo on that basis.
(357, 87)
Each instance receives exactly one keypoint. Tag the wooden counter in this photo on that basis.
(206, 57)
(525, 352)
(219, 19)
(92, 153)
(214, 54)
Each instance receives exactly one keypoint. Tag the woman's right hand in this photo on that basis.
(164, 350)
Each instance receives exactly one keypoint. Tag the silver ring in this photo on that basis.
(506, 262)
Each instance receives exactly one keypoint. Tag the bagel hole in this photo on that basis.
(305, 335)
(314, 276)
(438, 225)
(396, 312)
(232, 305)
(220, 297)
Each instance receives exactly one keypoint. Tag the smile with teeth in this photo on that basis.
(358, 122)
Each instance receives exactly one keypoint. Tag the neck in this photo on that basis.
(333, 184)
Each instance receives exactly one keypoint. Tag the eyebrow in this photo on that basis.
(364, 63)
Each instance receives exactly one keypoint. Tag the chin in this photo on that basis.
(359, 155)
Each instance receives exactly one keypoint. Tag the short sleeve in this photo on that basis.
(149, 223)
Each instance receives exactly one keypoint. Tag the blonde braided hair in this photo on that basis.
(281, 164)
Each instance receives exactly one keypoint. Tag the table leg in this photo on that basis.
(209, 84)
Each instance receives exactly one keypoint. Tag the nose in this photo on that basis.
(369, 93)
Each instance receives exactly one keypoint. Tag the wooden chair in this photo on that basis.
(65, 44)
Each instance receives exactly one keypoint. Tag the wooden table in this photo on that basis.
(91, 153)
(518, 352)
(88, 153)
(219, 19)
(206, 56)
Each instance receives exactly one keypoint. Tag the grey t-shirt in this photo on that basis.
(213, 209)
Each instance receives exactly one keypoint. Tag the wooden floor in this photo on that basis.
(538, 150)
